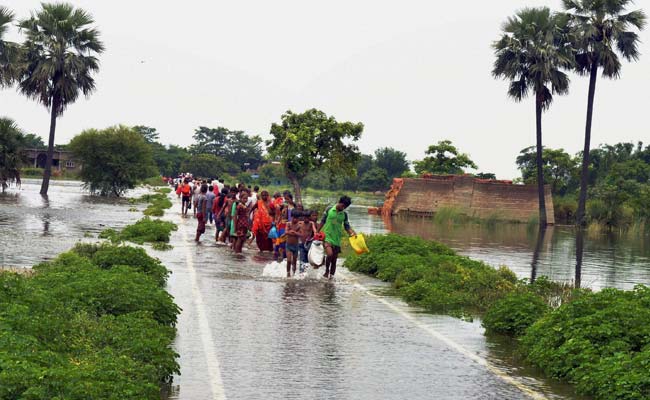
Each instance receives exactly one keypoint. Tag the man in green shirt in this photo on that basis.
(334, 221)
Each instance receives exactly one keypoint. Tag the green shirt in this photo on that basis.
(334, 223)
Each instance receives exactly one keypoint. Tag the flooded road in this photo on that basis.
(244, 333)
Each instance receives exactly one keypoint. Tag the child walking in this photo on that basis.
(307, 228)
(292, 233)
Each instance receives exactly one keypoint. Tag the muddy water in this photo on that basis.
(33, 228)
(244, 333)
(609, 260)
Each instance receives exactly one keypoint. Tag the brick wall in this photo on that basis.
(472, 196)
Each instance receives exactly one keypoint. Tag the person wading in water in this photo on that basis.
(334, 221)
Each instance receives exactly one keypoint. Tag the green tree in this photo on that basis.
(600, 28)
(9, 52)
(34, 142)
(149, 134)
(60, 56)
(174, 157)
(114, 159)
(12, 143)
(245, 151)
(531, 54)
(309, 141)
(392, 161)
(374, 179)
(271, 174)
(444, 158)
(206, 165)
(558, 167)
(365, 164)
(235, 146)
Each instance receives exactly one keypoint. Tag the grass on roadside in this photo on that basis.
(145, 230)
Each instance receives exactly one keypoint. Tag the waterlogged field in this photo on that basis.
(244, 333)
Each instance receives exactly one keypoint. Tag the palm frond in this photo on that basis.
(531, 53)
(60, 49)
(600, 28)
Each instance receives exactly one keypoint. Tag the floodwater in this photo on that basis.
(608, 259)
(245, 332)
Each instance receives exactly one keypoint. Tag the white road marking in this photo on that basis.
(214, 371)
(452, 344)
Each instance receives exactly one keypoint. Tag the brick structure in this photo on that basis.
(476, 197)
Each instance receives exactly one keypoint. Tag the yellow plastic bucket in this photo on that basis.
(358, 244)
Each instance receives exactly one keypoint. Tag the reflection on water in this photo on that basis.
(34, 228)
(560, 253)
(538, 248)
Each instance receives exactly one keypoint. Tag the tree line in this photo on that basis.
(618, 178)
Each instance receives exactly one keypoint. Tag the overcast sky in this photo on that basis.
(414, 72)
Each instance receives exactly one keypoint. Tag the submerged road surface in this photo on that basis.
(244, 334)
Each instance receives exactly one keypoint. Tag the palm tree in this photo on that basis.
(9, 51)
(531, 54)
(11, 158)
(60, 49)
(601, 28)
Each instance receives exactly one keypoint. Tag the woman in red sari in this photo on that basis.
(262, 221)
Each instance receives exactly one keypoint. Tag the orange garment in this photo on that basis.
(185, 190)
(262, 220)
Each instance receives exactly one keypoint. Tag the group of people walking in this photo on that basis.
(242, 213)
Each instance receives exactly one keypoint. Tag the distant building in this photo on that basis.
(60, 160)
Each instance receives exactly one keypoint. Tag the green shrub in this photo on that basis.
(565, 208)
(164, 190)
(32, 172)
(148, 230)
(514, 313)
(79, 331)
(153, 211)
(145, 230)
(598, 341)
(153, 181)
(431, 275)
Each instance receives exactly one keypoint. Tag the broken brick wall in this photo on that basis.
(479, 198)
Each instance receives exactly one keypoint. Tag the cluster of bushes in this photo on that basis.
(598, 341)
(145, 230)
(93, 323)
(158, 202)
(432, 275)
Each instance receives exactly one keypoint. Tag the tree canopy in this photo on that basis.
(240, 149)
(392, 161)
(206, 166)
(312, 140)
(444, 158)
(114, 159)
(9, 51)
(149, 134)
(12, 143)
(559, 168)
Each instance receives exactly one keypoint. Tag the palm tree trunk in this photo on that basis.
(584, 173)
(540, 164)
(45, 185)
